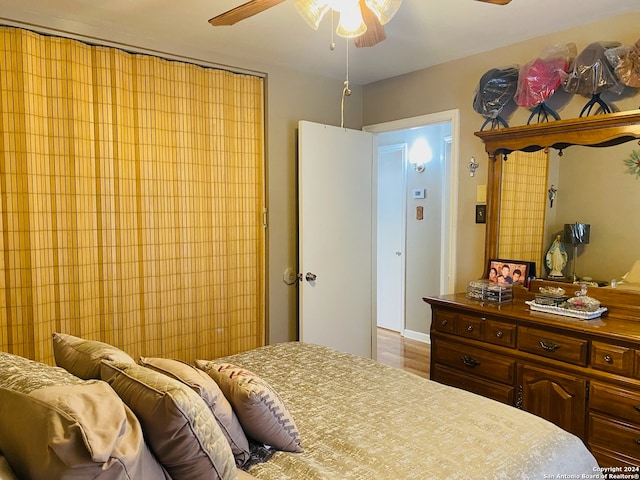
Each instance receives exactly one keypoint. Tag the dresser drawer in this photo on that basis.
(470, 327)
(612, 358)
(553, 345)
(636, 370)
(486, 388)
(487, 329)
(609, 458)
(500, 333)
(444, 321)
(475, 361)
(615, 401)
(614, 435)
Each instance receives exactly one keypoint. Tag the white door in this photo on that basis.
(336, 241)
(391, 236)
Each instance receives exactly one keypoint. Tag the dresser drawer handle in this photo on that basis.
(608, 359)
(444, 323)
(499, 334)
(549, 346)
(637, 408)
(637, 441)
(470, 328)
(470, 361)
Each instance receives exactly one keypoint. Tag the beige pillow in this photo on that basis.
(262, 413)
(82, 357)
(73, 431)
(179, 427)
(210, 392)
(6, 473)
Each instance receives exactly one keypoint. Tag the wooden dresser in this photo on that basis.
(583, 375)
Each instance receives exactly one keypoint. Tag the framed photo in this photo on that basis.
(514, 272)
(481, 214)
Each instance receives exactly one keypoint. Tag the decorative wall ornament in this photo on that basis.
(633, 163)
(552, 193)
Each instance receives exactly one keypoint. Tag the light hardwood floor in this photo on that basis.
(401, 352)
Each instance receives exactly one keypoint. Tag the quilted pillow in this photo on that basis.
(179, 427)
(24, 375)
(210, 392)
(262, 413)
(73, 431)
(82, 357)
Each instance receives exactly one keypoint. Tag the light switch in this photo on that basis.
(419, 212)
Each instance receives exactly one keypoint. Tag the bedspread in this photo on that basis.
(361, 420)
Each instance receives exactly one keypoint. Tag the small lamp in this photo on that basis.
(576, 234)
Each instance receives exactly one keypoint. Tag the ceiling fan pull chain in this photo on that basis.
(346, 91)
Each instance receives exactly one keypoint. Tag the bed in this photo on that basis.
(314, 414)
(359, 419)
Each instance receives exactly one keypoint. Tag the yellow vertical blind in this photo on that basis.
(522, 206)
(131, 199)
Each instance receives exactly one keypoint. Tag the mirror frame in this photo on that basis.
(595, 131)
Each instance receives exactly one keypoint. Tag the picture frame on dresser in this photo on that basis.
(516, 272)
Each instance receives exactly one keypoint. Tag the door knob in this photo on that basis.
(310, 277)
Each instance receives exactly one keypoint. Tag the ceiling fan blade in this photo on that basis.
(496, 2)
(243, 11)
(375, 31)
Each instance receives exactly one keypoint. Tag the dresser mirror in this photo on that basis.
(586, 162)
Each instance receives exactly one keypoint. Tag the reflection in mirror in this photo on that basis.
(595, 188)
(523, 204)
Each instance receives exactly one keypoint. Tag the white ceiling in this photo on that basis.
(422, 34)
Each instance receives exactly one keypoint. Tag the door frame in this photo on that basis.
(449, 224)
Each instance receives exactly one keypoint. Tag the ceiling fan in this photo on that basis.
(367, 30)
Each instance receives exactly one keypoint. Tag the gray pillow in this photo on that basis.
(210, 392)
(82, 357)
(179, 427)
(262, 413)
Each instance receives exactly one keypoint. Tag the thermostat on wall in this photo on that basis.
(418, 193)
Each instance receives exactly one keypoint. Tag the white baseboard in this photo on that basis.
(419, 336)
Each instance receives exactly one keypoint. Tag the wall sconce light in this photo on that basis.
(418, 167)
(420, 154)
(473, 166)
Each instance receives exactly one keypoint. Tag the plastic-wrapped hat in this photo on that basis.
(592, 75)
(539, 79)
(495, 90)
(625, 61)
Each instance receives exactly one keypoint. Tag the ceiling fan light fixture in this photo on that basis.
(383, 9)
(312, 11)
(351, 23)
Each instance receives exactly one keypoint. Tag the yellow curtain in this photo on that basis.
(523, 194)
(132, 191)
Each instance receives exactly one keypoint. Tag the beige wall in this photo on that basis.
(452, 85)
